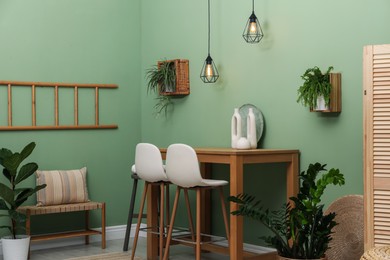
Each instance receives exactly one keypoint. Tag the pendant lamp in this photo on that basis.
(209, 73)
(253, 32)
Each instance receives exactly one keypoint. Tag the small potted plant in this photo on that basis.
(316, 89)
(12, 196)
(302, 230)
(162, 79)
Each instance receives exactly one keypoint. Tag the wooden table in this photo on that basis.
(236, 159)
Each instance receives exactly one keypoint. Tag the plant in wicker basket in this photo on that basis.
(162, 78)
(302, 230)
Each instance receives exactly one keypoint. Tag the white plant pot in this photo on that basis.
(321, 106)
(15, 249)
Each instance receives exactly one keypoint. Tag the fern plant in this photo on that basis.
(315, 84)
(300, 231)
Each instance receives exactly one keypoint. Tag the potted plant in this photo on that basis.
(316, 89)
(12, 197)
(302, 230)
(162, 79)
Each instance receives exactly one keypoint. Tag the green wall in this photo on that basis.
(298, 35)
(96, 41)
(91, 41)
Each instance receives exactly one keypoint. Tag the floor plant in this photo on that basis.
(300, 229)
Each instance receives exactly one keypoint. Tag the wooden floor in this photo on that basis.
(177, 252)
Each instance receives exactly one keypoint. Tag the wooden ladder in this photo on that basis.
(56, 125)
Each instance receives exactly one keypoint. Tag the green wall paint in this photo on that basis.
(93, 41)
(298, 35)
(96, 41)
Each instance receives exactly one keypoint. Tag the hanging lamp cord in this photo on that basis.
(253, 6)
(209, 29)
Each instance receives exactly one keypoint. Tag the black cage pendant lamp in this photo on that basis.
(209, 73)
(253, 32)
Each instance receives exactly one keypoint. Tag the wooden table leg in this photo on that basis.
(292, 177)
(236, 222)
(152, 219)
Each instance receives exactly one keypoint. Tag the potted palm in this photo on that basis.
(316, 89)
(16, 245)
(301, 231)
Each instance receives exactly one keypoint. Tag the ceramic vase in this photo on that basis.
(235, 128)
(243, 143)
(251, 129)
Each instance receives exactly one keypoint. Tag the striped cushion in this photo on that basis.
(63, 187)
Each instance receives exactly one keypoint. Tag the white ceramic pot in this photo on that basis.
(15, 249)
(321, 105)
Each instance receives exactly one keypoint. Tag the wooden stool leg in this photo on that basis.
(87, 226)
(190, 221)
(103, 211)
(172, 222)
(130, 217)
(141, 210)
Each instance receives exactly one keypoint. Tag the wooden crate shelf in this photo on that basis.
(182, 78)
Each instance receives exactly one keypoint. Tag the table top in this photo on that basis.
(232, 151)
(228, 155)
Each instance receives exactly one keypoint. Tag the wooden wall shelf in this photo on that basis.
(56, 124)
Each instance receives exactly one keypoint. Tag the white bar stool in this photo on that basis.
(182, 169)
(150, 168)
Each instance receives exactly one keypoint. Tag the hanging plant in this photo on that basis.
(162, 78)
(315, 84)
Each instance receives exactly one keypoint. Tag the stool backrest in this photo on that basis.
(182, 166)
(148, 163)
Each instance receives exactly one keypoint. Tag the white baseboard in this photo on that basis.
(113, 233)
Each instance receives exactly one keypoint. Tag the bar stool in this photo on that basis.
(149, 167)
(182, 169)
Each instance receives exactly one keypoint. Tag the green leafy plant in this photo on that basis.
(315, 84)
(162, 79)
(300, 231)
(12, 196)
(162, 105)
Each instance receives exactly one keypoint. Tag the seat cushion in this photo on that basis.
(63, 187)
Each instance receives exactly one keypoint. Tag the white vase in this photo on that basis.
(235, 128)
(15, 249)
(251, 129)
(243, 143)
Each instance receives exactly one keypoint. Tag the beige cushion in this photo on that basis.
(63, 187)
